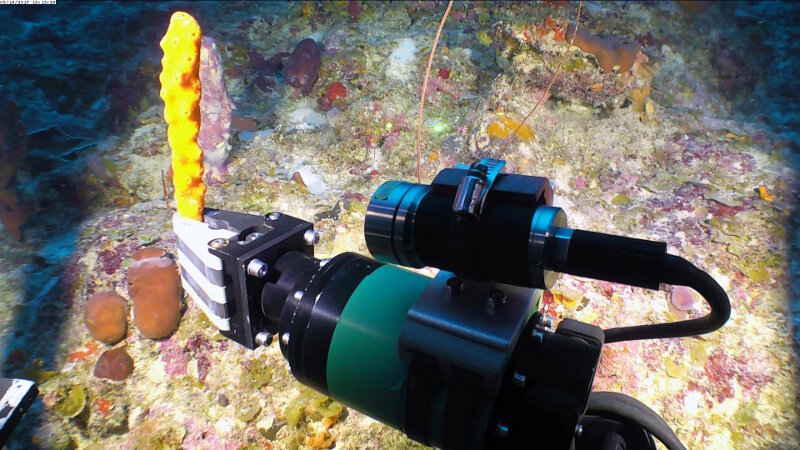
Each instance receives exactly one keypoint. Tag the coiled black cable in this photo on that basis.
(646, 264)
(680, 272)
(621, 407)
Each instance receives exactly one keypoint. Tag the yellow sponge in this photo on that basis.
(180, 89)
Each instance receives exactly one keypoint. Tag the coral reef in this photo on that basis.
(115, 365)
(180, 89)
(216, 111)
(106, 317)
(677, 149)
(155, 290)
(302, 67)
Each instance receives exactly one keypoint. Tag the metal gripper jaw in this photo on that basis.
(226, 260)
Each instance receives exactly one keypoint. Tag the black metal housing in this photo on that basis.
(558, 369)
(415, 225)
(279, 234)
(312, 305)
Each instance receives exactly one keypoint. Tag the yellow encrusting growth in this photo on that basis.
(504, 127)
(180, 89)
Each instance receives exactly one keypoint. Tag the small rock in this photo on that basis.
(114, 365)
(223, 400)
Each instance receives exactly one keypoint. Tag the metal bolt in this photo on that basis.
(578, 430)
(218, 243)
(501, 430)
(257, 268)
(285, 338)
(274, 216)
(264, 338)
(537, 336)
(253, 236)
(324, 262)
(298, 295)
(545, 324)
(311, 237)
(519, 379)
(497, 298)
(455, 285)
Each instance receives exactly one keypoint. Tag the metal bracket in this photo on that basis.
(468, 324)
(475, 186)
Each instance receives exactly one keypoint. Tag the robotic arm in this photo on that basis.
(462, 360)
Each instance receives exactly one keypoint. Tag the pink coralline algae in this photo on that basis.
(172, 355)
(215, 109)
(354, 8)
(302, 68)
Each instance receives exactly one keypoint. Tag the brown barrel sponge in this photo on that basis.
(106, 317)
(609, 50)
(114, 364)
(155, 290)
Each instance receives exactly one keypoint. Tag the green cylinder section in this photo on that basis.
(364, 370)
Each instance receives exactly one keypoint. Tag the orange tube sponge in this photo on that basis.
(180, 89)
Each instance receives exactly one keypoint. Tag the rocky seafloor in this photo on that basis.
(693, 146)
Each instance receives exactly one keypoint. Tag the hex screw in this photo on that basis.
(497, 298)
(218, 243)
(264, 338)
(311, 237)
(257, 268)
(518, 379)
(274, 216)
(253, 236)
(298, 295)
(578, 430)
(285, 338)
(455, 285)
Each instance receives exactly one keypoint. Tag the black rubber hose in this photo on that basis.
(680, 272)
(627, 409)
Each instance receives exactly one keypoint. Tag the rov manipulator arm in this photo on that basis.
(460, 361)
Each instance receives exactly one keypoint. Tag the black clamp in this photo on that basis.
(474, 187)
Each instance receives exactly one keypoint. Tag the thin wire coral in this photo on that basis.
(535, 107)
(425, 88)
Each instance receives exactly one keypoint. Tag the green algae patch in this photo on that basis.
(247, 411)
(311, 404)
(621, 200)
(70, 402)
(156, 435)
(256, 373)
